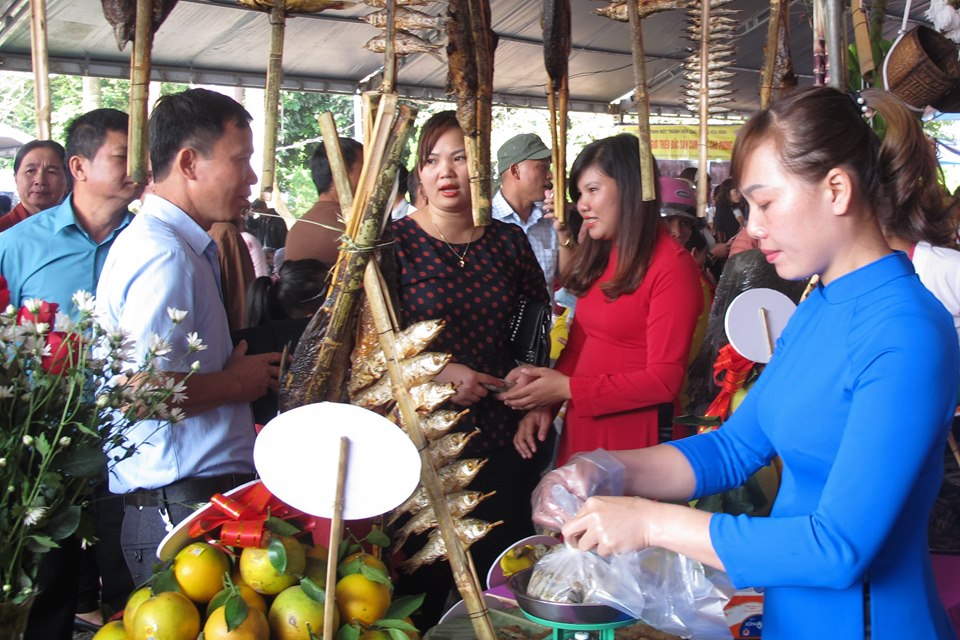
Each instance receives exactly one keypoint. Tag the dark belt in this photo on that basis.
(187, 490)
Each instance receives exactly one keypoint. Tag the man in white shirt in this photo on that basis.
(524, 165)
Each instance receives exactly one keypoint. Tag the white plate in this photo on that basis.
(748, 332)
(297, 453)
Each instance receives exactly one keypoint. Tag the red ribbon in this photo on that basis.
(243, 516)
(730, 371)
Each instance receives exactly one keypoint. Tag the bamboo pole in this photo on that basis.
(560, 172)
(861, 38)
(389, 84)
(703, 173)
(642, 99)
(278, 23)
(137, 139)
(339, 170)
(336, 533)
(41, 67)
(770, 54)
(463, 573)
(836, 45)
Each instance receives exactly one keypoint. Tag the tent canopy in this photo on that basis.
(220, 42)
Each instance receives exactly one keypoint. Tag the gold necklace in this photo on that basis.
(461, 259)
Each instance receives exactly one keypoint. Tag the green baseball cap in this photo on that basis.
(526, 146)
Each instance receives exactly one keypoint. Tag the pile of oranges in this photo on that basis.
(274, 592)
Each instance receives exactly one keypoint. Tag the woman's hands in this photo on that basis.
(533, 428)
(469, 383)
(611, 525)
(535, 387)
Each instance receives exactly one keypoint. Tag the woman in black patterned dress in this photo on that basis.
(471, 277)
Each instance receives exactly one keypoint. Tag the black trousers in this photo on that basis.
(51, 616)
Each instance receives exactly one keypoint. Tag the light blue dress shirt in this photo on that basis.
(539, 232)
(49, 256)
(165, 259)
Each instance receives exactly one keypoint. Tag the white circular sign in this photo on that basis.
(754, 321)
(297, 455)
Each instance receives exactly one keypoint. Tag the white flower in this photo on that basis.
(6, 392)
(33, 305)
(65, 441)
(177, 415)
(28, 440)
(64, 323)
(3, 463)
(158, 346)
(42, 328)
(103, 400)
(34, 515)
(176, 388)
(7, 588)
(176, 315)
(194, 342)
(195, 366)
(84, 301)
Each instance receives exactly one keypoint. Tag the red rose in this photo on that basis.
(47, 314)
(64, 350)
(4, 294)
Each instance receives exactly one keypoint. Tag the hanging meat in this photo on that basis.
(122, 16)
(556, 57)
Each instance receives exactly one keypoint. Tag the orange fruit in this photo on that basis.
(374, 634)
(413, 635)
(316, 568)
(166, 616)
(253, 599)
(367, 559)
(136, 598)
(199, 569)
(294, 616)
(361, 599)
(254, 627)
(111, 631)
(257, 571)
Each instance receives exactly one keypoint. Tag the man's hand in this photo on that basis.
(254, 375)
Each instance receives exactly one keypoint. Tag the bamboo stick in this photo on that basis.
(331, 143)
(389, 84)
(41, 67)
(770, 54)
(336, 533)
(703, 173)
(861, 38)
(278, 23)
(463, 573)
(137, 143)
(642, 99)
(559, 210)
(560, 172)
(836, 46)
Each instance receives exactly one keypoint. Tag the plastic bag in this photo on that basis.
(668, 591)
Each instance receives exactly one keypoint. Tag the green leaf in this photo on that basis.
(395, 623)
(235, 611)
(397, 634)
(63, 523)
(277, 554)
(41, 543)
(281, 527)
(219, 600)
(313, 590)
(349, 632)
(84, 462)
(375, 574)
(343, 550)
(42, 445)
(163, 581)
(405, 606)
(378, 538)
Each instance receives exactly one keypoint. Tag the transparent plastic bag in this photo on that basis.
(562, 492)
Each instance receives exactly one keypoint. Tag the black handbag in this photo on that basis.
(529, 332)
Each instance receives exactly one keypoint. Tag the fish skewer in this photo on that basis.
(369, 363)
(454, 477)
(434, 425)
(459, 504)
(469, 530)
(404, 18)
(556, 56)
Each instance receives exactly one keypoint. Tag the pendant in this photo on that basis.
(461, 263)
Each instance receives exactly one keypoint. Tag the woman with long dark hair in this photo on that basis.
(639, 299)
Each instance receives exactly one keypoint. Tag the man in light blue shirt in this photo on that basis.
(200, 149)
(524, 165)
(56, 252)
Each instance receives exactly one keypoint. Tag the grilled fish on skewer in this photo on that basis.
(448, 448)
(406, 43)
(459, 504)
(404, 18)
(415, 370)
(430, 395)
(618, 10)
(469, 530)
(369, 363)
(382, 4)
(453, 477)
(433, 425)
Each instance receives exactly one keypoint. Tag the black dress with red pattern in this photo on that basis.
(476, 301)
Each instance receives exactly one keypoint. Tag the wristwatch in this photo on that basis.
(569, 242)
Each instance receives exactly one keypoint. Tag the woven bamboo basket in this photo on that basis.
(923, 67)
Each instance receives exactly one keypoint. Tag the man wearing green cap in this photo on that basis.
(524, 165)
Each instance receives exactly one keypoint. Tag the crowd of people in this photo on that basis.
(856, 401)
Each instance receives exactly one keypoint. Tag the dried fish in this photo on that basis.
(618, 10)
(430, 395)
(712, 76)
(459, 504)
(122, 16)
(432, 425)
(381, 4)
(711, 92)
(448, 448)
(404, 18)
(415, 371)
(298, 6)
(556, 39)
(369, 363)
(469, 530)
(405, 44)
(453, 477)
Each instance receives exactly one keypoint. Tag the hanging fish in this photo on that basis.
(415, 371)
(433, 425)
(448, 448)
(122, 16)
(469, 530)
(712, 76)
(618, 10)
(430, 395)
(369, 362)
(381, 4)
(459, 504)
(405, 44)
(298, 6)
(404, 18)
(453, 477)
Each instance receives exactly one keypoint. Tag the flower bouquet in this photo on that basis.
(69, 391)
